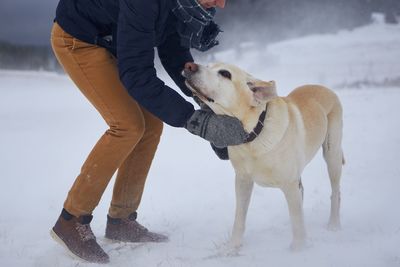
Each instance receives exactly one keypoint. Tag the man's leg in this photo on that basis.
(132, 174)
(94, 71)
(129, 186)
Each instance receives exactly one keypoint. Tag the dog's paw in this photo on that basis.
(298, 245)
(334, 226)
(230, 249)
(225, 250)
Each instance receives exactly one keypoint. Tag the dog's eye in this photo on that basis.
(226, 74)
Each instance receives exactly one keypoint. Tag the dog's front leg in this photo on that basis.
(294, 199)
(244, 188)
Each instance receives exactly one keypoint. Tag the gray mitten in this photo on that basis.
(221, 152)
(221, 130)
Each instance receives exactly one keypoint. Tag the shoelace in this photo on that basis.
(85, 232)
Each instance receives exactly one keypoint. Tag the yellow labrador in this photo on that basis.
(287, 132)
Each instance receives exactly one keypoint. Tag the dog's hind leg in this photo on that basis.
(295, 204)
(244, 187)
(333, 155)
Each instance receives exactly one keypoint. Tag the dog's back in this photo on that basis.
(321, 113)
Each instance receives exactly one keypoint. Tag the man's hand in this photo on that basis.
(220, 130)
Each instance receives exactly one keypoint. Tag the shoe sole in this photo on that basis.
(73, 255)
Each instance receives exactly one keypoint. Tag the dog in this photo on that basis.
(285, 134)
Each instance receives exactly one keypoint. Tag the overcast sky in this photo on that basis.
(26, 21)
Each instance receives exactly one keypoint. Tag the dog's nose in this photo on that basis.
(190, 68)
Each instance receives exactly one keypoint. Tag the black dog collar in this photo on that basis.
(259, 127)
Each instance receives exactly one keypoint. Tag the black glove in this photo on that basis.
(220, 130)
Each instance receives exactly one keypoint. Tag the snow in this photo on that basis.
(48, 128)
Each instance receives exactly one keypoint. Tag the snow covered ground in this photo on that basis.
(47, 128)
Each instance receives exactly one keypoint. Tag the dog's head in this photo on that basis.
(226, 89)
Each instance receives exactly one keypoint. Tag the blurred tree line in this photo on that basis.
(26, 57)
(257, 21)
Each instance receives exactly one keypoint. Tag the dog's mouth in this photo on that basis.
(198, 92)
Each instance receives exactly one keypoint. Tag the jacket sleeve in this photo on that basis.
(135, 51)
(173, 57)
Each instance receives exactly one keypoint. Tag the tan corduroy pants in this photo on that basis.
(128, 145)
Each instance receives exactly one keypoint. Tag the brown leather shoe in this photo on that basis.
(75, 234)
(129, 230)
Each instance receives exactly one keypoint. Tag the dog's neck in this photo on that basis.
(251, 117)
(259, 126)
(248, 116)
(275, 123)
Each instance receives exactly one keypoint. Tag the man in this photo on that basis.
(107, 48)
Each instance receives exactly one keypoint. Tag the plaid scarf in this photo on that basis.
(195, 25)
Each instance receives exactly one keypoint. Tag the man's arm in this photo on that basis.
(135, 50)
(173, 57)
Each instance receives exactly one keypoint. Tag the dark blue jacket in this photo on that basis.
(137, 27)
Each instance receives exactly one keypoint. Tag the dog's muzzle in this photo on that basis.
(197, 91)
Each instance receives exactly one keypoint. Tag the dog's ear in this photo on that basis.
(262, 91)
